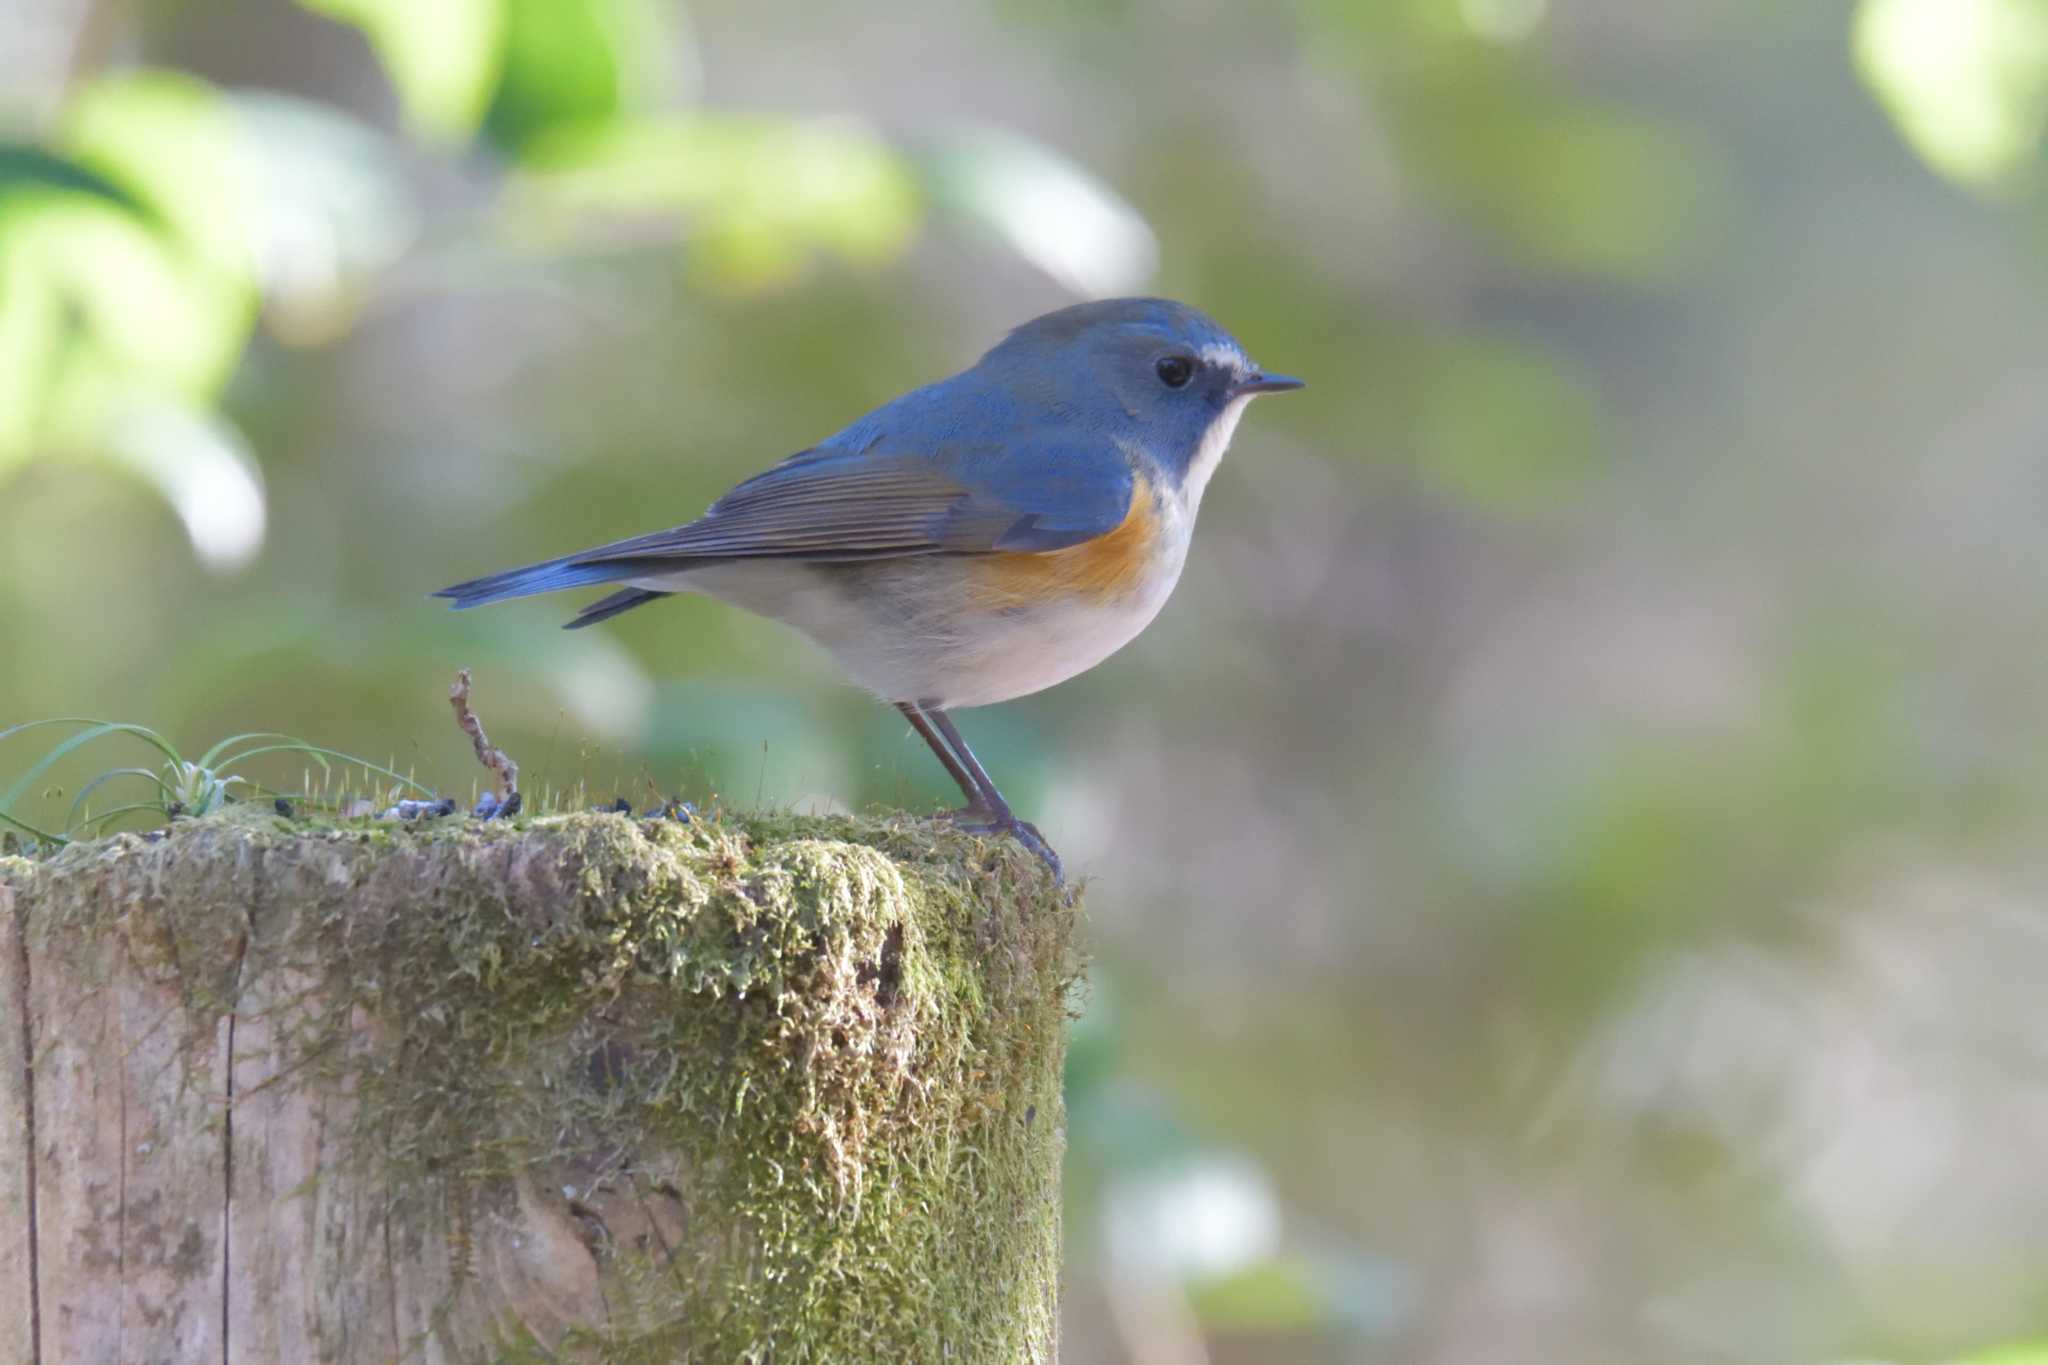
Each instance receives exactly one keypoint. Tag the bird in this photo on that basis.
(981, 538)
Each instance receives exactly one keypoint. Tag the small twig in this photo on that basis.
(488, 754)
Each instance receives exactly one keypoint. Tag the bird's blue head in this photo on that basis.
(1152, 371)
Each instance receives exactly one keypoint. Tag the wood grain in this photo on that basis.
(130, 1162)
(17, 1176)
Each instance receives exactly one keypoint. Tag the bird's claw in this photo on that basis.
(1026, 833)
(979, 819)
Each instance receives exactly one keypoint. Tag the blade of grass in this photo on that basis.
(163, 788)
(106, 815)
(142, 731)
(99, 730)
(217, 756)
(10, 822)
(47, 721)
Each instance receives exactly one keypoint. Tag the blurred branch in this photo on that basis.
(98, 31)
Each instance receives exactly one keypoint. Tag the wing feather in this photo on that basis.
(872, 504)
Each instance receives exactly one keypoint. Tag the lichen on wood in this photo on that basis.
(765, 1089)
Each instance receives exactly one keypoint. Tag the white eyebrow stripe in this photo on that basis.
(1223, 357)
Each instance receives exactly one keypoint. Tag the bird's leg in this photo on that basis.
(985, 805)
(977, 808)
(985, 809)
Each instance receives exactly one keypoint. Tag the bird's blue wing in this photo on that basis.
(1044, 497)
(876, 504)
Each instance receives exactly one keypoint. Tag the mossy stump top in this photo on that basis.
(585, 1087)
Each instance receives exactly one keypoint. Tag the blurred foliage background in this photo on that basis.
(1567, 873)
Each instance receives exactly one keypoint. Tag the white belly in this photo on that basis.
(1014, 656)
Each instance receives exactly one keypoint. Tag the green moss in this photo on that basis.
(831, 1047)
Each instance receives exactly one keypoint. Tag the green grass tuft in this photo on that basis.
(176, 786)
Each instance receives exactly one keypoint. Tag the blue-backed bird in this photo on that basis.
(978, 539)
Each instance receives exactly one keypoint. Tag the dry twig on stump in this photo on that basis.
(487, 753)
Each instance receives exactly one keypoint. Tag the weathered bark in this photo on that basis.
(594, 1088)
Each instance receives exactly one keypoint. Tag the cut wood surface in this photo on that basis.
(588, 1088)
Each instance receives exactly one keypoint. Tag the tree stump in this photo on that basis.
(588, 1088)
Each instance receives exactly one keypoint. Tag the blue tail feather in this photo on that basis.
(550, 576)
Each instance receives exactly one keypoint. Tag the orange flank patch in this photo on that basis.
(1111, 565)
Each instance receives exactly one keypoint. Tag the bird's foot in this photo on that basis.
(980, 819)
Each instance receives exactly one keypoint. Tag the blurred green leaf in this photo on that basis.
(758, 195)
(444, 56)
(1965, 80)
(101, 309)
(97, 311)
(561, 67)
(1278, 1295)
(2020, 1353)
(1294, 1295)
(173, 142)
(117, 330)
(567, 62)
(24, 167)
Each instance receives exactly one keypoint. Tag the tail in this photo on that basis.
(552, 576)
(605, 608)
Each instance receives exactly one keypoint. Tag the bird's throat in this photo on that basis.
(1209, 453)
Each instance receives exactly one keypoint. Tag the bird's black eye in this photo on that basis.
(1175, 371)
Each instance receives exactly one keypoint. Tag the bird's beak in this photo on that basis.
(1266, 383)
